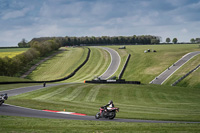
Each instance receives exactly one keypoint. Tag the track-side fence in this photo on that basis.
(179, 80)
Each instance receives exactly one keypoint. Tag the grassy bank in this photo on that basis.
(192, 80)
(10, 79)
(23, 124)
(97, 64)
(146, 66)
(135, 101)
(59, 66)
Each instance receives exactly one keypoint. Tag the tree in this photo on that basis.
(197, 40)
(192, 40)
(154, 41)
(175, 40)
(168, 40)
(23, 44)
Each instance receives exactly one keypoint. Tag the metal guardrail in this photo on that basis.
(185, 75)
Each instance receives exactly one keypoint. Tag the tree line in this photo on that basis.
(175, 40)
(12, 66)
(197, 40)
(103, 40)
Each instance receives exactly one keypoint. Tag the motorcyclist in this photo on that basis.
(4, 96)
(110, 105)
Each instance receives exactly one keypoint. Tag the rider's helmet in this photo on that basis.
(5, 96)
(110, 102)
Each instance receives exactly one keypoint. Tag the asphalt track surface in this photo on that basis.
(11, 110)
(114, 65)
(172, 69)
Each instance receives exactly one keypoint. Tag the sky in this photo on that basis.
(46, 18)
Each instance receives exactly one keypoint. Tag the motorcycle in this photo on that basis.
(107, 113)
(3, 97)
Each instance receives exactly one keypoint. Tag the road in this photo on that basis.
(11, 110)
(114, 65)
(172, 69)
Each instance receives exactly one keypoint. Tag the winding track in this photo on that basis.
(172, 69)
(114, 65)
(11, 110)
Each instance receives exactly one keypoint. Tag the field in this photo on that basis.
(146, 101)
(142, 66)
(98, 63)
(11, 52)
(63, 64)
(145, 67)
(135, 101)
(22, 124)
(59, 66)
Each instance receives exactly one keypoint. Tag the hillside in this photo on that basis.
(142, 66)
(192, 80)
(59, 66)
(145, 67)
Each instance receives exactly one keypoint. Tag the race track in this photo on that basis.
(172, 69)
(11, 110)
(114, 65)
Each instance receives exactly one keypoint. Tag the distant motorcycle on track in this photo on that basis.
(3, 97)
(107, 113)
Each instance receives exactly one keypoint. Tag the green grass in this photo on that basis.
(153, 102)
(135, 101)
(97, 64)
(65, 63)
(11, 52)
(59, 66)
(6, 79)
(192, 80)
(145, 67)
(23, 124)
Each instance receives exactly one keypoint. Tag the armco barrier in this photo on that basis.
(125, 65)
(56, 80)
(122, 81)
(179, 80)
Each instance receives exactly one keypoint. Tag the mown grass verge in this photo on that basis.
(97, 64)
(24, 124)
(135, 101)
